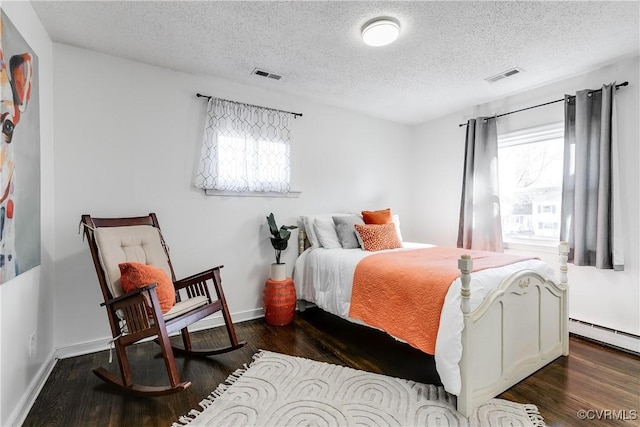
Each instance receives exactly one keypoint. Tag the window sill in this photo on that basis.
(289, 195)
(543, 247)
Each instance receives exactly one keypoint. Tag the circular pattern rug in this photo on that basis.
(281, 390)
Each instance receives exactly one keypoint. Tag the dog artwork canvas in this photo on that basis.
(19, 154)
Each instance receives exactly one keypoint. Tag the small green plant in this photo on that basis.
(280, 236)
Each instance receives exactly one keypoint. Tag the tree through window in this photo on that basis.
(530, 173)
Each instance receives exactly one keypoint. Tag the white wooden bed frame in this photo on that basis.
(521, 326)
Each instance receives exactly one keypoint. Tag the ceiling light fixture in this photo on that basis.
(380, 31)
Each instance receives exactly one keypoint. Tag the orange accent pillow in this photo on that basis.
(377, 217)
(135, 275)
(376, 237)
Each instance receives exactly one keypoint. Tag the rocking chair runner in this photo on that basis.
(137, 315)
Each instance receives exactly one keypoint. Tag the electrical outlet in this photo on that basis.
(32, 345)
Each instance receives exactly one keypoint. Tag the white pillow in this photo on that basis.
(396, 221)
(308, 222)
(326, 234)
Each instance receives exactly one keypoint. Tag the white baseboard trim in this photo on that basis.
(605, 335)
(103, 343)
(23, 407)
(80, 349)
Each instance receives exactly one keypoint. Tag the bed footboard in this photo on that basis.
(519, 328)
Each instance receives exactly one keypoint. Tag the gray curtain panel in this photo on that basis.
(480, 225)
(590, 211)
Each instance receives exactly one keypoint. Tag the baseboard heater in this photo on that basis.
(611, 337)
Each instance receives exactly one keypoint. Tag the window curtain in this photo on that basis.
(590, 190)
(480, 224)
(245, 148)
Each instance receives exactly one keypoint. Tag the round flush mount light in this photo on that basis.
(380, 31)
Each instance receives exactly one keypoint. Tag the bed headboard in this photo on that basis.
(303, 241)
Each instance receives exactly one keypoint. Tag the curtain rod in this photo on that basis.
(542, 105)
(199, 95)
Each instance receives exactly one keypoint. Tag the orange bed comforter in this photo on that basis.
(403, 292)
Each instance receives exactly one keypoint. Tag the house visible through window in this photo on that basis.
(530, 172)
(245, 149)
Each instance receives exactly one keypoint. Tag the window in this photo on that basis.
(246, 164)
(245, 149)
(530, 163)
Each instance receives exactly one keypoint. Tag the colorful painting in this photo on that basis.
(19, 154)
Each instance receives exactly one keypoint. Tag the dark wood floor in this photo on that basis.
(593, 377)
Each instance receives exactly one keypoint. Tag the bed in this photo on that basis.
(497, 326)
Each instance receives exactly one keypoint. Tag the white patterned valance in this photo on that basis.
(245, 149)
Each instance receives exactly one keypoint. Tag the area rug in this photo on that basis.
(280, 390)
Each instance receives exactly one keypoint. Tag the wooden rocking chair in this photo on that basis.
(137, 315)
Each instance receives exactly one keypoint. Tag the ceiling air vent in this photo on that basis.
(503, 75)
(263, 73)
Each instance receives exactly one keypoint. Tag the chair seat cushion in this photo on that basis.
(184, 306)
(134, 275)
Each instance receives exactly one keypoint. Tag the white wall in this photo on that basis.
(601, 297)
(128, 137)
(27, 301)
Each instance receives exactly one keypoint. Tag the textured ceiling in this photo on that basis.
(437, 65)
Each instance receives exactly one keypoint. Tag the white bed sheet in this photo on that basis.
(325, 277)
